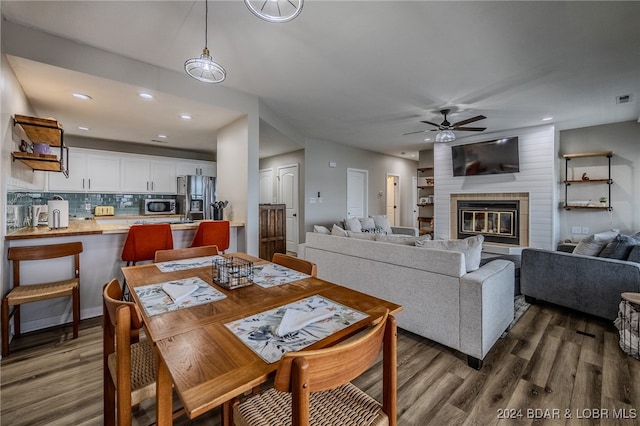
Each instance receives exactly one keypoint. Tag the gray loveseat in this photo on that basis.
(588, 284)
(467, 311)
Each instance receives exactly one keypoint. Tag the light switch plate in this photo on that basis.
(585, 230)
(576, 230)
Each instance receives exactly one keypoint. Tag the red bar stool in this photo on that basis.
(212, 232)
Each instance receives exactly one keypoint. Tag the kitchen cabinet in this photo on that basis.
(89, 171)
(142, 174)
(196, 167)
(578, 170)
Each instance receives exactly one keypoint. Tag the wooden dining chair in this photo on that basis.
(22, 293)
(129, 369)
(185, 253)
(212, 232)
(295, 263)
(313, 386)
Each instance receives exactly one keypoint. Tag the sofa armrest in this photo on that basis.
(486, 306)
(405, 230)
(585, 283)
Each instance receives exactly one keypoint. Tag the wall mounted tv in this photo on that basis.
(486, 158)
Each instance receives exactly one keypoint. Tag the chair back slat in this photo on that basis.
(331, 367)
(112, 302)
(296, 264)
(50, 251)
(185, 253)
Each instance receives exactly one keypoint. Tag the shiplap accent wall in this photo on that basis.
(537, 176)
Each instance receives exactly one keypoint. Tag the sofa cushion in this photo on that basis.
(620, 247)
(382, 221)
(594, 243)
(338, 232)
(402, 239)
(321, 229)
(362, 235)
(471, 247)
(352, 224)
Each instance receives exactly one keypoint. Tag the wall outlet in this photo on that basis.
(585, 230)
(576, 230)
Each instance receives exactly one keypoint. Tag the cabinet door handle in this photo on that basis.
(152, 186)
(82, 183)
(147, 185)
(89, 183)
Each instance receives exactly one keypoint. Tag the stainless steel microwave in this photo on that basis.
(159, 206)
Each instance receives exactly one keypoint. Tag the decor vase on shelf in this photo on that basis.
(603, 201)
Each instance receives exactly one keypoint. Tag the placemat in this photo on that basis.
(271, 275)
(155, 301)
(179, 265)
(258, 331)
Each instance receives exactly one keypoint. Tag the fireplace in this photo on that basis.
(497, 220)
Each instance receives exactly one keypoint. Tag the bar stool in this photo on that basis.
(212, 232)
(21, 294)
(143, 241)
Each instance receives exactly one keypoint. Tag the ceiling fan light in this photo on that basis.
(205, 68)
(277, 11)
(445, 136)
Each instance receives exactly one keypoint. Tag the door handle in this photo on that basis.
(294, 215)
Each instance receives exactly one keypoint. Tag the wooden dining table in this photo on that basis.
(209, 366)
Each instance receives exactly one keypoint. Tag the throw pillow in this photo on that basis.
(362, 235)
(338, 232)
(471, 248)
(402, 239)
(382, 221)
(352, 224)
(367, 224)
(321, 229)
(620, 247)
(593, 244)
(634, 256)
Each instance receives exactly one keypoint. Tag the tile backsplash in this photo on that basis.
(80, 205)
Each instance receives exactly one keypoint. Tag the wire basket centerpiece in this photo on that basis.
(232, 272)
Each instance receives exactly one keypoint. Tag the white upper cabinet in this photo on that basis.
(196, 167)
(89, 171)
(144, 174)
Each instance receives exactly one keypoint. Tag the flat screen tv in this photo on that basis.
(486, 158)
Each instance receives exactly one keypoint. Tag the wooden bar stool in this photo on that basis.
(21, 293)
(212, 232)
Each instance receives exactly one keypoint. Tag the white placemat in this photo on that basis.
(271, 275)
(179, 265)
(156, 301)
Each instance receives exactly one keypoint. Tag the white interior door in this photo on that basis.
(266, 186)
(357, 189)
(393, 199)
(288, 195)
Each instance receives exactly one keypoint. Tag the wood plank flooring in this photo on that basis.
(543, 372)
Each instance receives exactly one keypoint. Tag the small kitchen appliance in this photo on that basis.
(58, 216)
(39, 215)
(152, 206)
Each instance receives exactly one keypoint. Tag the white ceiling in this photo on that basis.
(360, 73)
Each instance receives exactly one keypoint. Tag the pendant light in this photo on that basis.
(445, 136)
(204, 68)
(275, 10)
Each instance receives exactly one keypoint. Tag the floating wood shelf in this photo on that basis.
(609, 181)
(41, 130)
(588, 208)
(588, 154)
(44, 162)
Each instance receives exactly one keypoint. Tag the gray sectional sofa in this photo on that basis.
(589, 284)
(467, 311)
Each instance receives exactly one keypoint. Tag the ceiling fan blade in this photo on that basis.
(471, 129)
(430, 122)
(469, 120)
(413, 133)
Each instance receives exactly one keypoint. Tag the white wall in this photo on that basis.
(623, 139)
(537, 176)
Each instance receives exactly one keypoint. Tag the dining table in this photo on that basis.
(198, 354)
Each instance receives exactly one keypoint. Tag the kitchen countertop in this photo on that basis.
(90, 226)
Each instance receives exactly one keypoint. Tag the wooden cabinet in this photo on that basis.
(143, 174)
(89, 171)
(426, 186)
(196, 167)
(272, 238)
(598, 197)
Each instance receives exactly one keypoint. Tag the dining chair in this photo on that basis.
(296, 263)
(212, 232)
(314, 386)
(22, 293)
(185, 253)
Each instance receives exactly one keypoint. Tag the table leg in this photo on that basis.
(227, 412)
(163, 395)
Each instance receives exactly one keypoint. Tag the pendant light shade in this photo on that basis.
(204, 68)
(275, 10)
(445, 136)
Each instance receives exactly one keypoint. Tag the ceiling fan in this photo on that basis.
(445, 129)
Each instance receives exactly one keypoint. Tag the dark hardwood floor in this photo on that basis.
(555, 367)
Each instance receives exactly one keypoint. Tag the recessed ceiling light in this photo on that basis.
(427, 140)
(162, 136)
(413, 155)
(81, 96)
(547, 118)
(85, 128)
(185, 116)
(146, 95)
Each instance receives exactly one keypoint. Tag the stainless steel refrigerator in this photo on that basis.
(196, 193)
